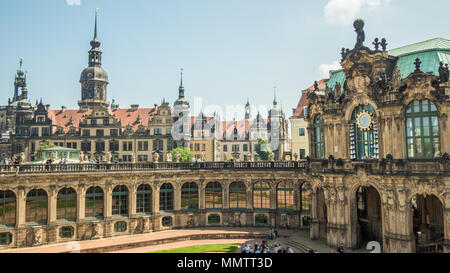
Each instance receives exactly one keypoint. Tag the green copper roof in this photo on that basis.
(430, 53)
(429, 45)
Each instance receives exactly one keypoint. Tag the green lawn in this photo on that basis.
(201, 249)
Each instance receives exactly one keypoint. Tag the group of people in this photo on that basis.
(264, 248)
(11, 161)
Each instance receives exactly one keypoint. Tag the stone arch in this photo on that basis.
(367, 216)
(355, 103)
(428, 222)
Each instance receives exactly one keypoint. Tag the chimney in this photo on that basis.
(293, 110)
(134, 107)
(63, 108)
(47, 107)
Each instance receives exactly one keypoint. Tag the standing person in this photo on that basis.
(340, 248)
(276, 234)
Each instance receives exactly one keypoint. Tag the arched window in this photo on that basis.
(261, 195)
(189, 197)
(94, 205)
(66, 206)
(144, 199)
(213, 195)
(7, 208)
(285, 196)
(166, 197)
(364, 133)
(318, 141)
(36, 207)
(238, 195)
(422, 130)
(305, 199)
(120, 201)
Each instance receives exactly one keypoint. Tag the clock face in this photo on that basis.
(364, 121)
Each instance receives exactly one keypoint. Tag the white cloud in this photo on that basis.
(343, 12)
(324, 69)
(73, 2)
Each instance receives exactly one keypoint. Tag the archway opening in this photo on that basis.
(428, 223)
(369, 217)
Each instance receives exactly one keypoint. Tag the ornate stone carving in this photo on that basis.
(95, 231)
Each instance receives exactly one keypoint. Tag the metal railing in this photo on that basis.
(93, 167)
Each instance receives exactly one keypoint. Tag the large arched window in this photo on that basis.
(213, 195)
(66, 205)
(94, 205)
(318, 141)
(238, 195)
(144, 199)
(7, 208)
(305, 198)
(120, 201)
(166, 197)
(261, 195)
(36, 207)
(285, 196)
(422, 130)
(189, 197)
(364, 133)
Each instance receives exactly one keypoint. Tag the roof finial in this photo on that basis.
(181, 72)
(95, 29)
(21, 61)
(275, 96)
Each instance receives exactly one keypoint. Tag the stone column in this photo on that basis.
(132, 196)
(201, 197)
(177, 197)
(225, 195)
(21, 207)
(297, 198)
(314, 230)
(108, 202)
(52, 203)
(81, 204)
(155, 208)
(447, 223)
(249, 212)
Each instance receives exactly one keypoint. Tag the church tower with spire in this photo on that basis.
(94, 79)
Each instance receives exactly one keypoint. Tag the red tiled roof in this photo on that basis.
(299, 111)
(125, 116)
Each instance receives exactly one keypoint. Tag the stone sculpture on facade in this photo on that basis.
(37, 237)
(95, 231)
(155, 157)
(178, 157)
(169, 157)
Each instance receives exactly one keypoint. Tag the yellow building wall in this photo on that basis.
(205, 147)
(299, 142)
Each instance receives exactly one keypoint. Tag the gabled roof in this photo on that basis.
(125, 116)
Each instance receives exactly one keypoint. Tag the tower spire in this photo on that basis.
(275, 102)
(95, 28)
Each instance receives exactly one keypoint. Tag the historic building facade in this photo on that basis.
(384, 116)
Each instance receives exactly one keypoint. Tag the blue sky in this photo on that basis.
(230, 50)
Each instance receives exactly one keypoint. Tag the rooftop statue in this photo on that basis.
(361, 36)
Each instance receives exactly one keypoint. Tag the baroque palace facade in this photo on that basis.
(378, 170)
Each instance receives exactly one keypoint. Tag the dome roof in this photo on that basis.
(94, 73)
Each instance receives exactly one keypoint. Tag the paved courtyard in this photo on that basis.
(298, 240)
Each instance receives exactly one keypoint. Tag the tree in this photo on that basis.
(186, 154)
(45, 144)
(263, 149)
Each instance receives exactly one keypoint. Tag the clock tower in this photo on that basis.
(94, 79)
